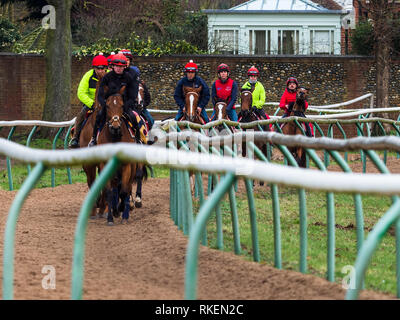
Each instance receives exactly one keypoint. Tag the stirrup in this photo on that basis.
(92, 142)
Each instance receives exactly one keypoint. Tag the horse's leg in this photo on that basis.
(139, 181)
(90, 171)
(126, 189)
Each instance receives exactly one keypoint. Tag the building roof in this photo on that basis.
(283, 6)
(329, 4)
(279, 5)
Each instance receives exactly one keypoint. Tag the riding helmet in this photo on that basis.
(99, 60)
(127, 53)
(119, 60)
(253, 71)
(223, 67)
(191, 67)
(292, 79)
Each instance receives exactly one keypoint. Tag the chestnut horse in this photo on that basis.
(290, 128)
(116, 130)
(84, 139)
(190, 112)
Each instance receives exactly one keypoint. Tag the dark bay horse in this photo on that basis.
(290, 128)
(116, 130)
(141, 171)
(247, 114)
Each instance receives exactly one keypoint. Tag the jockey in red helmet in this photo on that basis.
(192, 80)
(86, 94)
(258, 91)
(114, 81)
(135, 70)
(225, 89)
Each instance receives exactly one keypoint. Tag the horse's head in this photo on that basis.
(191, 99)
(220, 109)
(115, 104)
(301, 97)
(140, 97)
(246, 100)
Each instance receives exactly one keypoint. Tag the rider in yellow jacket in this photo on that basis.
(86, 94)
(258, 91)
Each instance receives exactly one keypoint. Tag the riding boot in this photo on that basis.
(80, 118)
(93, 141)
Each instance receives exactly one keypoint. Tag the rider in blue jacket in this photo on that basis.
(192, 80)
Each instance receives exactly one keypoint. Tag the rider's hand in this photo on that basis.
(199, 110)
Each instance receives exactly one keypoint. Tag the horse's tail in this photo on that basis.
(145, 173)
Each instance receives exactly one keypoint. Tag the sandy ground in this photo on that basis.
(144, 259)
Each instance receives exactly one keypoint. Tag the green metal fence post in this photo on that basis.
(9, 172)
(9, 233)
(53, 170)
(80, 231)
(65, 148)
(192, 251)
(28, 142)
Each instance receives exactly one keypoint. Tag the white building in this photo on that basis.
(268, 27)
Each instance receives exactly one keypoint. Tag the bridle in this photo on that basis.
(115, 130)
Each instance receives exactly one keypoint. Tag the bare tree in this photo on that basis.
(381, 14)
(58, 64)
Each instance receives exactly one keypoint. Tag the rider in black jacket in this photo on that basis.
(115, 80)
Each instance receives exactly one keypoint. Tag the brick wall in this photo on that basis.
(330, 79)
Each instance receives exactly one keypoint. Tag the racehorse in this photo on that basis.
(190, 112)
(220, 113)
(116, 130)
(141, 171)
(84, 139)
(290, 128)
(247, 114)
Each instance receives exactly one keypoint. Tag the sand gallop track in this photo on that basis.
(141, 260)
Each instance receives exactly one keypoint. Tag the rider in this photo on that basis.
(132, 69)
(86, 94)
(289, 98)
(192, 80)
(115, 80)
(224, 88)
(258, 91)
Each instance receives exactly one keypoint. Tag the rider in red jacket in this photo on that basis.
(289, 95)
(289, 98)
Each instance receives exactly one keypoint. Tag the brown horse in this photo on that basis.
(190, 112)
(247, 114)
(84, 139)
(116, 130)
(291, 128)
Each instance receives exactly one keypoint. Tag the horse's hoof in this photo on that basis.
(124, 221)
(138, 202)
(93, 217)
(109, 223)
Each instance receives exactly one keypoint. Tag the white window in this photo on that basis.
(288, 41)
(322, 41)
(226, 41)
(260, 42)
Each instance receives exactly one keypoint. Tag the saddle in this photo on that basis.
(136, 127)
